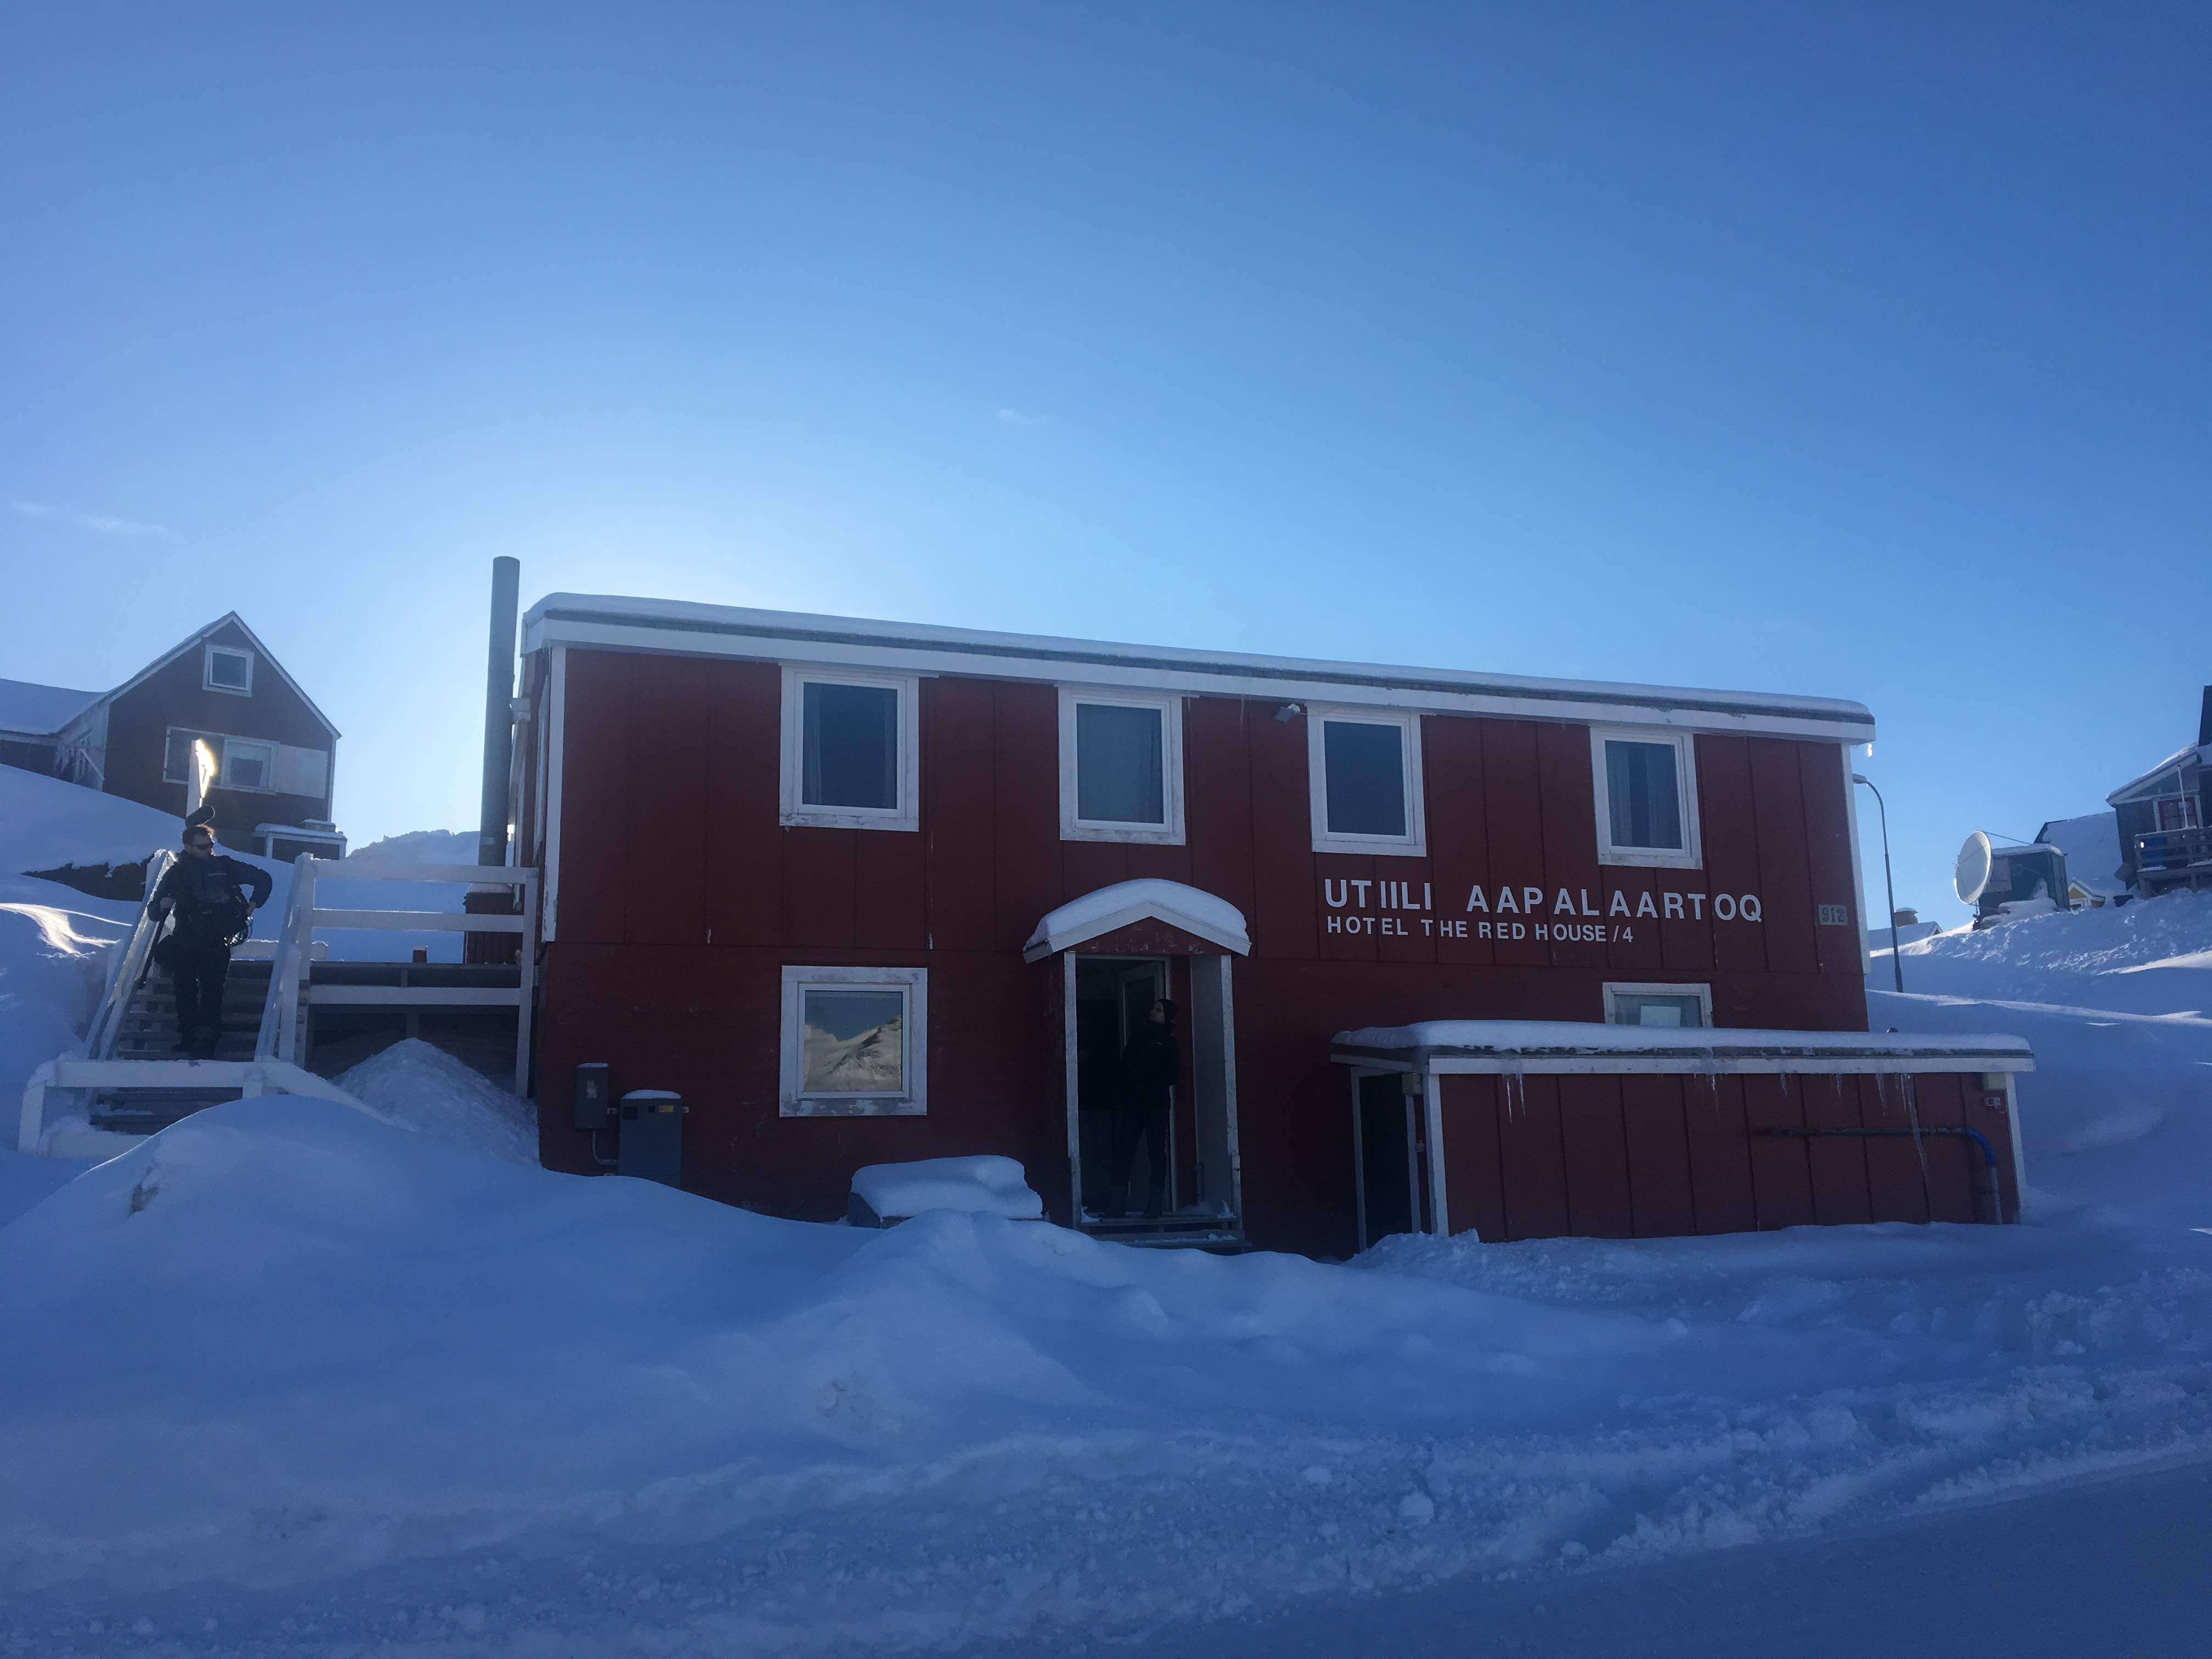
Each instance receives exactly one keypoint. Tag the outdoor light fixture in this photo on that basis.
(1289, 711)
(1896, 950)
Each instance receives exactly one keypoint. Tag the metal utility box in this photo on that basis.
(592, 1101)
(649, 1141)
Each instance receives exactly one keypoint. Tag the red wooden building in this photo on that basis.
(843, 885)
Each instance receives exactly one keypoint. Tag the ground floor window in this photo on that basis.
(1659, 1005)
(855, 1042)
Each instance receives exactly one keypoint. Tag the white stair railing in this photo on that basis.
(128, 967)
(279, 1035)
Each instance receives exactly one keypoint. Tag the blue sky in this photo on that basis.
(1863, 354)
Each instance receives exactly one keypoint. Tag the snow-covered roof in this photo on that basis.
(1540, 1045)
(2198, 754)
(1149, 899)
(638, 624)
(2092, 845)
(40, 710)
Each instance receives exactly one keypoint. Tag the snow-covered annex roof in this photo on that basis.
(40, 710)
(1149, 898)
(1546, 1045)
(612, 622)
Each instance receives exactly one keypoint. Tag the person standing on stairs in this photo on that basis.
(203, 890)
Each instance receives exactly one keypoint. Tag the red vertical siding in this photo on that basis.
(1841, 1195)
(664, 875)
(1459, 841)
(1720, 1154)
(958, 812)
(1474, 1187)
(1785, 877)
(820, 895)
(1532, 1159)
(1727, 816)
(1513, 820)
(1595, 1144)
(1282, 840)
(1781, 1173)
(1659, 1194)
(1218, 806)
(744, 864)
(1026, 792)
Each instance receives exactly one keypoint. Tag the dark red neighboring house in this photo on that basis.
(854, 890)
(274, 751)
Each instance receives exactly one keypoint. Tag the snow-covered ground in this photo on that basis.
(294, 1379)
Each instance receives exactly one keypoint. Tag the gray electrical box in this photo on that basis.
(593, 1100)
(649, 1143)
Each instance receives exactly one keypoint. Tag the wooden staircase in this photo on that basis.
(147, 1031)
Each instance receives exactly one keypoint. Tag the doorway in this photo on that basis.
(1108, 999)
(1390, 1151)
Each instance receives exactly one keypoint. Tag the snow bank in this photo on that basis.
(976, 1186)
(421, 847)
(45, 824)
(427, 1089)
(55, 948)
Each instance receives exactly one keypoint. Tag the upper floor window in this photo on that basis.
(849, 743)
(1659, 1005)
(227, 669)
(1364, 768)
(1120, 767)
(1646, 798)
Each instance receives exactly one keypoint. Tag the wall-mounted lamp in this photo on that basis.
(1289, 711)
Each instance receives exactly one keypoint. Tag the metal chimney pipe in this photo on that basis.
(499, 712)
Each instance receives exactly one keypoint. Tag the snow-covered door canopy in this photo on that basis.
(1189, 909)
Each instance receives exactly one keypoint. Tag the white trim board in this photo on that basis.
(658, 625)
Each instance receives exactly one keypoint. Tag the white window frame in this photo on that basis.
(268, 771)
(1615, 989)
(1684, 743)
(207, 670)
(913, 1101)
(907, 815)
(169, 733)
(1169, 707)
(1415, 842)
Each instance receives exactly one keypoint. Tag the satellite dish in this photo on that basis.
(1971, 873)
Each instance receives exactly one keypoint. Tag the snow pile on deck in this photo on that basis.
(426, 1088)
(974, 1185)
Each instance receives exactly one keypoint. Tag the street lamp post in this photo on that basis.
(1896, 951)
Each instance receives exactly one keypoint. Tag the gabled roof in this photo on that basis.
(607, 622)
(1108, 909)
(2198, 754)
(39, 711)
(196, 638)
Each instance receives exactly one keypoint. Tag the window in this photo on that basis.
(1647, 799)
(177, 758)
(1120, 767)
(247, 765)
(1659, 1005)
(1364, 768)
(855, 1042)
(849, 741)
(2175, 811)
(227, 670)
(241, 762)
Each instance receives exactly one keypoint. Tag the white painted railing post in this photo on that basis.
(33, 1123)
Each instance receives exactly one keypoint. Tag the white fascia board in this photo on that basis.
(1801, 1052)
(788, 637)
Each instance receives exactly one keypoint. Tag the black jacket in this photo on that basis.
(205, 894)
(1150, 1064)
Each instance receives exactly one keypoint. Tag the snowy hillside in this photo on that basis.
(2117, 1004)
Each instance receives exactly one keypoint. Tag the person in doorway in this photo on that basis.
(204, 892)
(1151, 1062)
